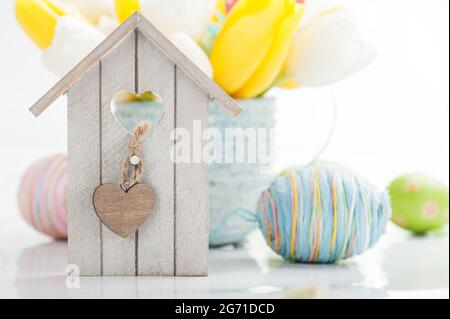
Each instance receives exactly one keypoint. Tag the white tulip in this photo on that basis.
(73, 41)
(179, 16)
(326, 50)
(193, 51)
(93, 10)
(315, 8)
(107, 25)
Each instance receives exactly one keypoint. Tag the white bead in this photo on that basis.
(134, 160)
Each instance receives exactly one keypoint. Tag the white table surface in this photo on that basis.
(400, 266)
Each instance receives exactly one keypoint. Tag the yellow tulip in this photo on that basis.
(125, 8)
(38, 19)
(221, 6)
(253, 44)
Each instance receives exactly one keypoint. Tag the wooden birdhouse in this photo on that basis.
(173, 240)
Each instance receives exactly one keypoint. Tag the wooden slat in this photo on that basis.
(191, 180)
(84, 173)
(156, 236)
(118, 73)
(84, 66)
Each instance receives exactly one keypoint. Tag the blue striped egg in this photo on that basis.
(321, 214)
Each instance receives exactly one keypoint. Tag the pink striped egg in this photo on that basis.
(42, 196)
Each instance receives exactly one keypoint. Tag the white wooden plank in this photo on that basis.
(191, 179)
(84, 173)
(118, 73)
(156, 236)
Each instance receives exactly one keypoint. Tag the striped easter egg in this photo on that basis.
(42, 196)
(322, 213)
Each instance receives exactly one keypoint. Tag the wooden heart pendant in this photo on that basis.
(123, 212)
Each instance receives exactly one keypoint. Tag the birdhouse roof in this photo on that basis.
(137, 21)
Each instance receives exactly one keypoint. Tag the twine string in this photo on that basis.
(135, 148)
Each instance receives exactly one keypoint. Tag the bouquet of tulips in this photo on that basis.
(246, 46)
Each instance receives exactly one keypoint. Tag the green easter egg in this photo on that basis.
(419, 203)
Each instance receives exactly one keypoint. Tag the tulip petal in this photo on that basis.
(270, 67)
(106, 25)
(221, 6)
(179, 16)
(72, 42)
(38, 19)
(244, 41)
(193, 51)
(327, 50)
(94, 10)
(315, 8)
(125, 8)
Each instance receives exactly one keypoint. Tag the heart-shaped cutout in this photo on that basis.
(123, 212)
(130, 109)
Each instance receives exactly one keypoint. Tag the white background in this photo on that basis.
(393, 117)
